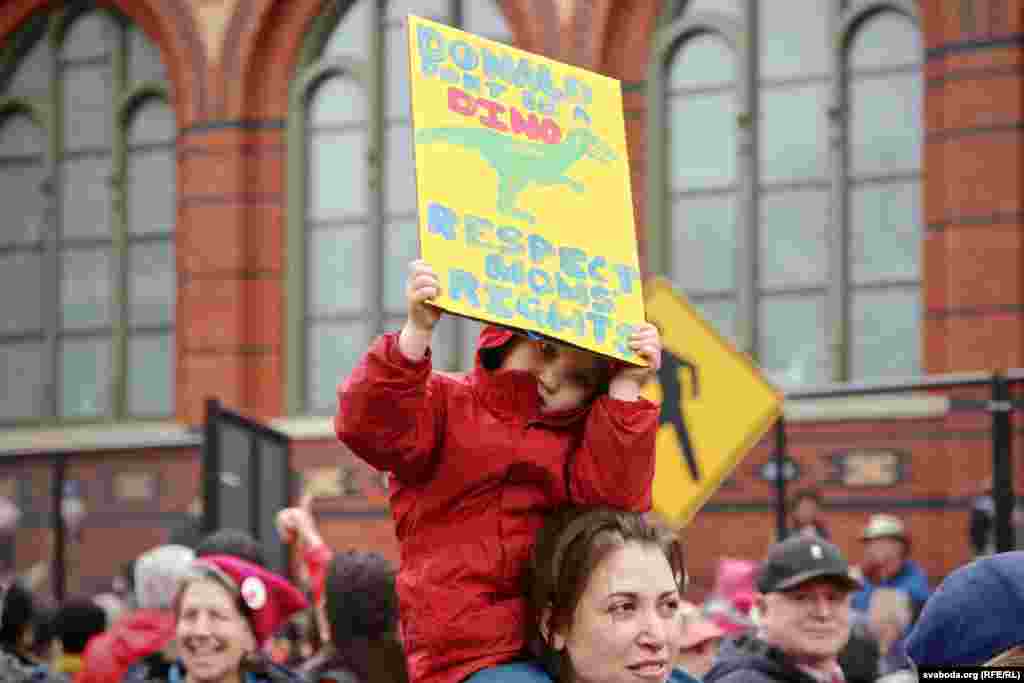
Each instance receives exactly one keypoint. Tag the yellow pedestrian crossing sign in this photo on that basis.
(715, 405)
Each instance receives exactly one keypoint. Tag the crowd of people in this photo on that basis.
(520, 493)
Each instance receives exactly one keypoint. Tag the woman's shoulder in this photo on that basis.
(514, 672)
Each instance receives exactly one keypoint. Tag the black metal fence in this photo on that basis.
(999, 405)
(83, 515)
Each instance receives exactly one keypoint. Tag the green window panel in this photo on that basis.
(352, 196)
(87, 178)
(764, 167)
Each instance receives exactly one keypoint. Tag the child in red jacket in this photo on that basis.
(478, 460)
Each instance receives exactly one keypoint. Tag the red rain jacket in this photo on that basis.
(475, 468)
(140, 633)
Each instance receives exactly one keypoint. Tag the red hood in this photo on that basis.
(512, 392)
(141, 633)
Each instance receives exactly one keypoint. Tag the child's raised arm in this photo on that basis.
(614, 465)
(390, 413)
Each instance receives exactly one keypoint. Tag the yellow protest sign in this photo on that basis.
(715, 405)
(523, 189)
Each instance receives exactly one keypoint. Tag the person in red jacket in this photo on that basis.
(148, 629)
(476, 462)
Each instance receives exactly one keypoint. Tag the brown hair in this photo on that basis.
(1012, 657)
(569, 547)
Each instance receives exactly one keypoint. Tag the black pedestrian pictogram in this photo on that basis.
(672, 411)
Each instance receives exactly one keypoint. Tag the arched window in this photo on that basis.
(352, 194)
(702, 175)
(789, 195)
(87, 172)
(883, 62)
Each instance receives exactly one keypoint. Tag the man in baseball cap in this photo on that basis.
(887, 563)
(804, 605)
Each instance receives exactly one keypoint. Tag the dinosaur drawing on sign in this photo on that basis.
(519, 163)
(672, 411)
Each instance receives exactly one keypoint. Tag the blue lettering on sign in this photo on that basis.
(599, 324)
(497, 269)
(559, 322)
(497, 298)
(462, 284)
(476, 227)
(511, 239)
(571, 260)
(540, 281)
(441, 221)
(530, 308)
(622, 333)
(539, 248)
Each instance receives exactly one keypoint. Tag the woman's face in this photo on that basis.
(626, 626)
(212, 634)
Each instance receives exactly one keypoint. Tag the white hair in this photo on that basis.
(158, 573)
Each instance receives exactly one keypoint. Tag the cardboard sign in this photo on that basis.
(523, 190)
(715, 405)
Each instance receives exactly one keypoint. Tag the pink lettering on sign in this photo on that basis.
(491, 115)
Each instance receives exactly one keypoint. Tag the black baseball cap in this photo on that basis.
(802, 558)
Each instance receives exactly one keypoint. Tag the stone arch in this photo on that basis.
(171, 25)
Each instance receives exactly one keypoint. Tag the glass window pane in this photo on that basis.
(91, 35)
(400, 172)
(886, 333)
(885, 124)
(794, 43)
(338, 175)
(794, 143)
(701, 62)
(151, 283)
(704, 243)
(85, 199)
(32, 78)
(151, 375)
(144, 63)
(886, 40)
(484, 18)
(85, 288)
(794, 238)
(339, 270)
(793, 348)
(429, 9)
(720, 313)
(87, 107)
(334, 349)
(702, 141)
(21, 272)
(153, 122)
(85, 377)
(20, 137)
(469, 335)
(24, 203)
(397, 56)
(886, 232)
(151, 197)
(22, 391)
(732, 8)
(338, 101)
(401, 245)
(352, 36)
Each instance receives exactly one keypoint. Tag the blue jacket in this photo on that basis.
(532, 672)
(911, 580)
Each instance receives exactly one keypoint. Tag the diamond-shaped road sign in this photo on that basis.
(715, 405)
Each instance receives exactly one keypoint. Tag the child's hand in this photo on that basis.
(627, 383)
(419, 327)
(422, 285)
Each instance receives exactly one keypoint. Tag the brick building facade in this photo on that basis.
(233, 69)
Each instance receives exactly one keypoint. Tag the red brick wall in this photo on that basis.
(974, 171)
